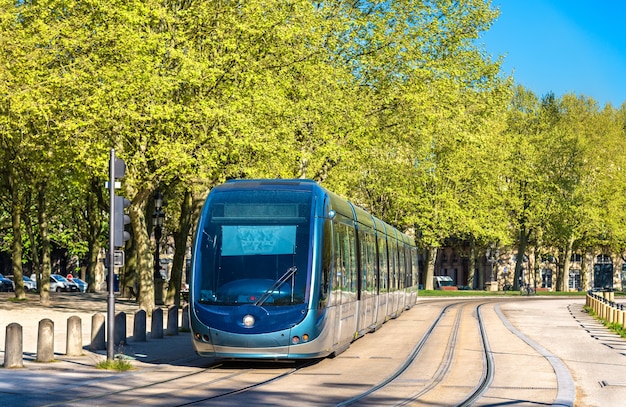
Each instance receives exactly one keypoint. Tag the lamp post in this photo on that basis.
(157, 218)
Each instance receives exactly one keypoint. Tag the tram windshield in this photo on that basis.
(254, 248)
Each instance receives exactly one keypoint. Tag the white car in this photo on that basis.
(29, 285)
(59, 283)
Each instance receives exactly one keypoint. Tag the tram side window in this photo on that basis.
(393, 265)
(345, 260)
(327, 260)
(414, 267)
(382, 263)
(339, 264)
(351, 251)
(402, 267)
(368, 261)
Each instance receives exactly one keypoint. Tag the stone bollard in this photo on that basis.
(45, 341)
(97, 332)
(185, 324)
(172, 320)
(13, 346)
(74, 343)
(157, 323)
(120, 329)
(139, 326)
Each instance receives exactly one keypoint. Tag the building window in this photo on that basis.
(546, 278)
(574, 279)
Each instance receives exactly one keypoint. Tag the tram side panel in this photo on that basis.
(345, 282)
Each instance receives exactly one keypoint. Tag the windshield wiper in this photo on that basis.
(291, 271)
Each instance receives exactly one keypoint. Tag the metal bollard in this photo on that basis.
(13, 346)
(139, 326)
(172, 320)
(74, 343)
(157, 324)
(45, 341)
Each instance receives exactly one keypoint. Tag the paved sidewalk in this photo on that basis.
(595, 357)
(28, 314)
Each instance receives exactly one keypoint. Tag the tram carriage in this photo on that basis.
(285, 269)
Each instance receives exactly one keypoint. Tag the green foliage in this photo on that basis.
(395, 105)
(119, 364)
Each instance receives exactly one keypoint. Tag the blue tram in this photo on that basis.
(285, 269)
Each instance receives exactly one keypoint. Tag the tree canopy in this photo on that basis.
(394, 104)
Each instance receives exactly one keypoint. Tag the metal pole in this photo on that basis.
(111, 274)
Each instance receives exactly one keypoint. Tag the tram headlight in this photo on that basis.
(248, 321)
(296, 339)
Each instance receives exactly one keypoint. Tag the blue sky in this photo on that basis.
(563, 46)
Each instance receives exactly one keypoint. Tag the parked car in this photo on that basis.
(82, 285)
(29, 285)
(6, 284)
(60, 283)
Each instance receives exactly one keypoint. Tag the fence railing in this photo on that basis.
(604, 306)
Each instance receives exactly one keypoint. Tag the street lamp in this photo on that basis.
(157, 218)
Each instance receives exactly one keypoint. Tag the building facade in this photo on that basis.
(496, 271)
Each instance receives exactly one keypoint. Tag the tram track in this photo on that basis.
(439, 387)
(465, 353)
(444, 368)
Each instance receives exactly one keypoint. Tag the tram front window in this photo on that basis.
(255, 248)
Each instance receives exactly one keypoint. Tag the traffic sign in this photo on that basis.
(118, 258)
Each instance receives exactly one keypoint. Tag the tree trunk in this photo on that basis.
(46, 267)
(471, 274)
(584, 280)
(16, 245)
(180, 250)
(431, 254)
(566, 265)
(34, 245)
(95, 228)
(523, 242)
(537, 266)
(145, 261)
(482, 273)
